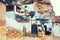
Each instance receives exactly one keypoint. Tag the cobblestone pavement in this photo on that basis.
(31, 38)
(2, 37)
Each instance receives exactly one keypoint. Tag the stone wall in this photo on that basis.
(2, 11)
(2, 17)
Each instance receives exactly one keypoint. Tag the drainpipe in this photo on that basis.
(15, 7)
(14, 10)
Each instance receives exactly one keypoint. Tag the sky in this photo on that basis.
(56, 6)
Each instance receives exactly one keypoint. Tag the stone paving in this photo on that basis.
(30, 38)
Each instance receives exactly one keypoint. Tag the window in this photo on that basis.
(9, 8)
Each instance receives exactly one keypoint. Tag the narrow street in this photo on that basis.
(36, 38)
